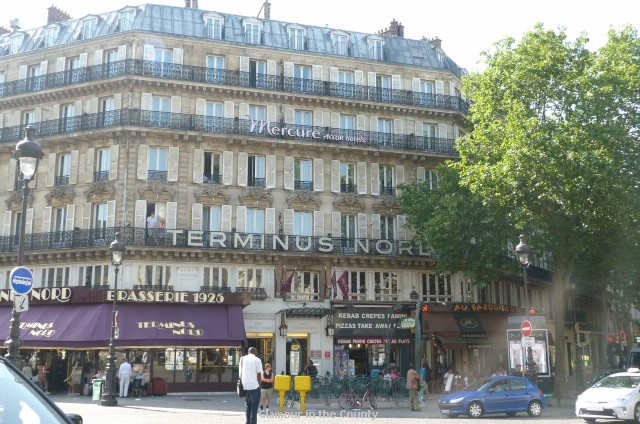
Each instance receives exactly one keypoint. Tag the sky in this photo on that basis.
(466, 27)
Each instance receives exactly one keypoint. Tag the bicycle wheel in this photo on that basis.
(347, 400)
(373, 401)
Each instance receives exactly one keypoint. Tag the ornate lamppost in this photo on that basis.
(111, 387)
(524, 256)
(28, 153)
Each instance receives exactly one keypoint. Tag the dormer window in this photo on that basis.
(375, 45)
(340, 43)
(297, 38)
(88, 28)
(126, 18)
(214, 26)
(51, 35)
(252, 31)
(16, 43)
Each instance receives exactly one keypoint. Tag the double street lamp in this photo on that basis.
(524, 256)
(111, 387)
(28, 153)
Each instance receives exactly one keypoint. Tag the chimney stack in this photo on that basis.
(3, 31)
(395, 30)
(56, 15)
(194, 4)
(267, 9)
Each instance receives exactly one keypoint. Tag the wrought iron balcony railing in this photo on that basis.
(303, 185)
(212, 179)
(135, 237)
(387, 191)
(257, 182)
(215, 289)
(348, 188)
(157, 175)
(244, 127)
(61, 180)
(101, 176)
(201, 74)
(256, 293)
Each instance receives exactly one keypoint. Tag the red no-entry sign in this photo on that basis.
(527, 328)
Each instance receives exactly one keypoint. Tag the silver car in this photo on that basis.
(616, 397)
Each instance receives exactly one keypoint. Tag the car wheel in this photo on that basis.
(511, 414)
(636, 414)
(535, 408)
(590, 420)
(475, 410)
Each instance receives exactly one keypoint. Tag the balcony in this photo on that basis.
(200, 74)
(101, 176)
(256, 293)
(303, 185)
(387, 191)
(61, 180)
(211, 179)
(157, 175)
(215, 289)
(152, 287)
(257, 182)
(575, 316)
(348, 188)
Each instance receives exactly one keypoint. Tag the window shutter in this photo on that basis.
(176, 104)
(375, 226)
(335, 120)
(399, 178)
(111, 213)
(336, 224)
(73, 178)
(44, 66)
(358, 77)
(70, 221)
(420, 174)
(289, 115)
(402, 230)
(93, 105)
(172, 215)
(145, 101)
(270, 171)
(375, 179)
(361, 123)
(117, 100)
(60, 64)
(362, 226)
(398, 126)
(244, 64)
(288, 221)
(318, 174)
(317, 118)
(242, 169)
(272, 114)
(288, 172)
(196, 216)
(28, 222)
(288, 69)
(22, 71)
(318, 223)
(140, 220)
(46, 219)
(86, 216)
(396, 82)
(6, 224)
(452, 88)
(243, 110)
(174, 159)
(271, 67)
(149, 52)
(241, 219)
(113, 170)
(373, 124)
(51, 171)
(82, 60)
(415, 85)
(143, 161)
(442, 131)
(225, 218)
(361, 171)
(419, 129)
(122, 52)
(201, 105)
(227, 167)
(198, 167)
(316, 72)
(335, 176)
(178, 57)
(333, 74)
(11, 181)
(439, 87)
(229, 109)
(97, 57)
(270, 221)
(371, 79)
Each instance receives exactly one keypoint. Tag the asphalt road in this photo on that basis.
(228, 408)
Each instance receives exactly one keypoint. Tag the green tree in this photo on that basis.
(552, 150)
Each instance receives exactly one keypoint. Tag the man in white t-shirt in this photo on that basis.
(250, 369)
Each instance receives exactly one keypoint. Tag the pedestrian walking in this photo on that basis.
(125, 377)
(266, 384)
(250, 370)
(413, 385)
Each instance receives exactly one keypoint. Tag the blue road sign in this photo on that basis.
(21, 280)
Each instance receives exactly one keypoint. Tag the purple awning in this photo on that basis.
(141, 325)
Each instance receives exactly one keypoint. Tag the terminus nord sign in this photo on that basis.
(275, 242)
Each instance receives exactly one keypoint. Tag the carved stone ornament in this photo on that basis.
(211, 195)
(14, 202)
(348, 203)
(256, 198)
(387, 206)
(100, 191)
(303, 201)
(157, 191)
(60, 196)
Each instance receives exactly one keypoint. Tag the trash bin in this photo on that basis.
(98, 384)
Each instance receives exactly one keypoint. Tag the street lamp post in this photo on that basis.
(28, 153)
(524, 256)
(414, 295)
(576, 326)
(111, 389)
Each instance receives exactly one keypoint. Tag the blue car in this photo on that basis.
(494, 395)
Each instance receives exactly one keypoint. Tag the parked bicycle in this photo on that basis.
(351, 399)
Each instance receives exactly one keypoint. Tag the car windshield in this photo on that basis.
(20, 403)
(619, 382)
(477, 385)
